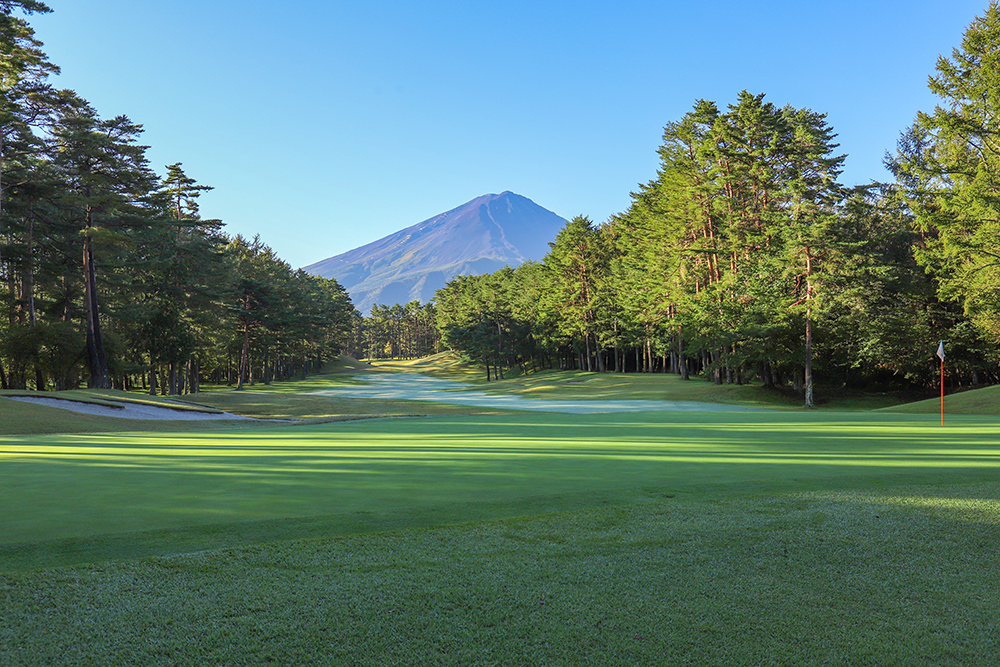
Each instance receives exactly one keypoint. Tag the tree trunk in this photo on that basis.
(28, 282)
(808, 364)
(765, 374)
(193, 382)
(99, 376)
(681, 362)
(243, 356)
(809, 357)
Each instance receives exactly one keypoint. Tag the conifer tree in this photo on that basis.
(948, 168)
(109, 182)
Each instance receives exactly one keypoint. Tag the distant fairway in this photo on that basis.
(509, 538)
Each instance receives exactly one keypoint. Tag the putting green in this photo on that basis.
(182, 491)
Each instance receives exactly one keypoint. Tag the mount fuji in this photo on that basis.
(478, 237)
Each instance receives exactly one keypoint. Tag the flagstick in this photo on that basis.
(942, 391)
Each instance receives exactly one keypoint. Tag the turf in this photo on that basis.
(581, 385)
(891, 578)
(785, 537)
(983, 401)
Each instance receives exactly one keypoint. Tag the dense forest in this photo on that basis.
(745, 259)
(110, 275)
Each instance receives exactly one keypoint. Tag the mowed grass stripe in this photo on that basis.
(154, 493)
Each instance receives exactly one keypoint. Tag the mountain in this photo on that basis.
(478, 237)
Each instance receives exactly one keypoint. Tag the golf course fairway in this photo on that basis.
(768, 537)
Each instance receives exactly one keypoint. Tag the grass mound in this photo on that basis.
(985, 401)
(447, 365)
(344, 364)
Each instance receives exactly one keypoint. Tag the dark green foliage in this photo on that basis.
(394, 332)
(110, 274)
(744, 259)
(948, 170)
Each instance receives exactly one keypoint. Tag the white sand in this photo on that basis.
(127, 411)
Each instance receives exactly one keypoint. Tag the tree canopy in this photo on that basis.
(110, 275)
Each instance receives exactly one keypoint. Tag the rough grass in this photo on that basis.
(112, 398)
(281, 402)
(18, 417)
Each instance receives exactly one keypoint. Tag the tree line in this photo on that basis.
(746, 259)
(395, 332)
(111, 276)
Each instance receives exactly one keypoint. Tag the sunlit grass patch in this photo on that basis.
(447, 365)
(432, 469)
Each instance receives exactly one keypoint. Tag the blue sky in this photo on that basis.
(326, 125)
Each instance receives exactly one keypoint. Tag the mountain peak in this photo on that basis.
(480, 236)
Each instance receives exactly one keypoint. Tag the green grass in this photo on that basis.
(808, 579)
(280, 402)
(581, 385)
(430, 469)
(984, 401)
(110, 398)
(785, 537)
(447, 365)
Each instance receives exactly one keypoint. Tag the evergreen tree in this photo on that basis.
(109, 181)
(947, 167)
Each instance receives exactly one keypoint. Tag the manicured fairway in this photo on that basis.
(902, 576)
(723, 538)
(80, 498)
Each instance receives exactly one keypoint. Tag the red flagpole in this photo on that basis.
(942, 392)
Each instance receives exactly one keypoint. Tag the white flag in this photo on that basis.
(940, 352)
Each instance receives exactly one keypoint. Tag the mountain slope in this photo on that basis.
(480, 236)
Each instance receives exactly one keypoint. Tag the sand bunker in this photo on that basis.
(128, 410)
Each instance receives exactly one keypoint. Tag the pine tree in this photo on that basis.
(948, 168)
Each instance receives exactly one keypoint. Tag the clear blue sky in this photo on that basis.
(324, 125)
